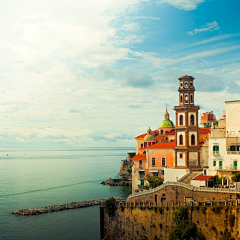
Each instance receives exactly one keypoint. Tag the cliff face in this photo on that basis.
(144, 222)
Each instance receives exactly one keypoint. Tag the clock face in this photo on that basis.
(186, 84)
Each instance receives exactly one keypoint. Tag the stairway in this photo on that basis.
(187, 180)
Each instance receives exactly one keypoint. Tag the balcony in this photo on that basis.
(233, 152)
(215, 152)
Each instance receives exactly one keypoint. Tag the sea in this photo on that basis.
(31, 178)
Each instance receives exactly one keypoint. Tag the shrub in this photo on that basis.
(110, 207)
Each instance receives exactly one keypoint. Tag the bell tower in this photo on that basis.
(186, 132)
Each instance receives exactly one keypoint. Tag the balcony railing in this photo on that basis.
(215, 152)
(233, 152)
(220, 167)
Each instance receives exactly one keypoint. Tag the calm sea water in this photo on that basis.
(36, 178)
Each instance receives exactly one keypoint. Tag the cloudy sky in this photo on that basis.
(87, 73)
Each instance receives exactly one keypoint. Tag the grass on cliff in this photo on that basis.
(184, 229)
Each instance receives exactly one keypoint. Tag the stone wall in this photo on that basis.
(174, 194)
(131, 222)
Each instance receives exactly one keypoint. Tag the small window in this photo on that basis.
(181, 139)
(186, 98)
(192, 119)
(191, 98)
(141, 145)
(162, 132)
(162, 172)
(180, 155)
(181, 98)
(192, 139)
(155, 174)
(215, 148)
(144, 152)
(153, 162)
(163, 162)
(145, 144)
(181, 120)
(214, 163)
(140, 163)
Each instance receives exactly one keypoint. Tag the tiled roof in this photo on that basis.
(139, 157)
(204, 130)
(160, 137)
(202, 178)
(201, 143)
(172, 132)
(162, 145)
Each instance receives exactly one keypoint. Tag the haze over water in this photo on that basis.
(36, 178)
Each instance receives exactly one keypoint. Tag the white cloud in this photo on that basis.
(207, 27)
(186, 5)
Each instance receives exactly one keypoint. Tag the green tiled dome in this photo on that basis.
(166, 124)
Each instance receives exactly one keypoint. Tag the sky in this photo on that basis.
(98, 73)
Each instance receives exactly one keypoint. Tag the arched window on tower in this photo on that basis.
(162, 132)
(192, 139)
(192, 119)
(181, 139)
(181, 120)
(186, 98)
(181, 98)
(191, 98)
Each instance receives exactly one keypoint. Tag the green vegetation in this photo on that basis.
(154, 181)
(217, 180)
(129, 169)
(184, 229)
(110, 207)
(236, 176)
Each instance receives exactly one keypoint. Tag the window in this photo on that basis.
(141, 174)
(163, 162)
(162, 172)
(215, 148)
(180, 155)
(181, 98)
(155, 174)
(186, 84)
(192, 139)
(186, 98)
(235, 165)
(214, 163)
(220, 164)
(140, 163)
(181, 120)
(191, 98)
(144, 152)
(181, 140)
(232, 148)
(153, 161)
(204, 172)
(145, 144)
(141, 145)
(192, 119)
(162, 132)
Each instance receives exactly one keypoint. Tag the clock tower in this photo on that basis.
(187, 153)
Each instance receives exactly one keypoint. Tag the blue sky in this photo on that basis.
(98, 73)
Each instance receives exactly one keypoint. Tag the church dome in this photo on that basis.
(166, 124)
(149, 137)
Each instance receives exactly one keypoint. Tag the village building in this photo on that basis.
(207, 119)
(170, 152)
(224, 145)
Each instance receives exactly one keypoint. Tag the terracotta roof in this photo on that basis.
(202, 178)
(142, 148)
(201, 143)
(163, 145)
(160, 137)
(172, 132)
(204, 130)
(139, 157)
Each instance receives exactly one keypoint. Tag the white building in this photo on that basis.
(224, 143)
